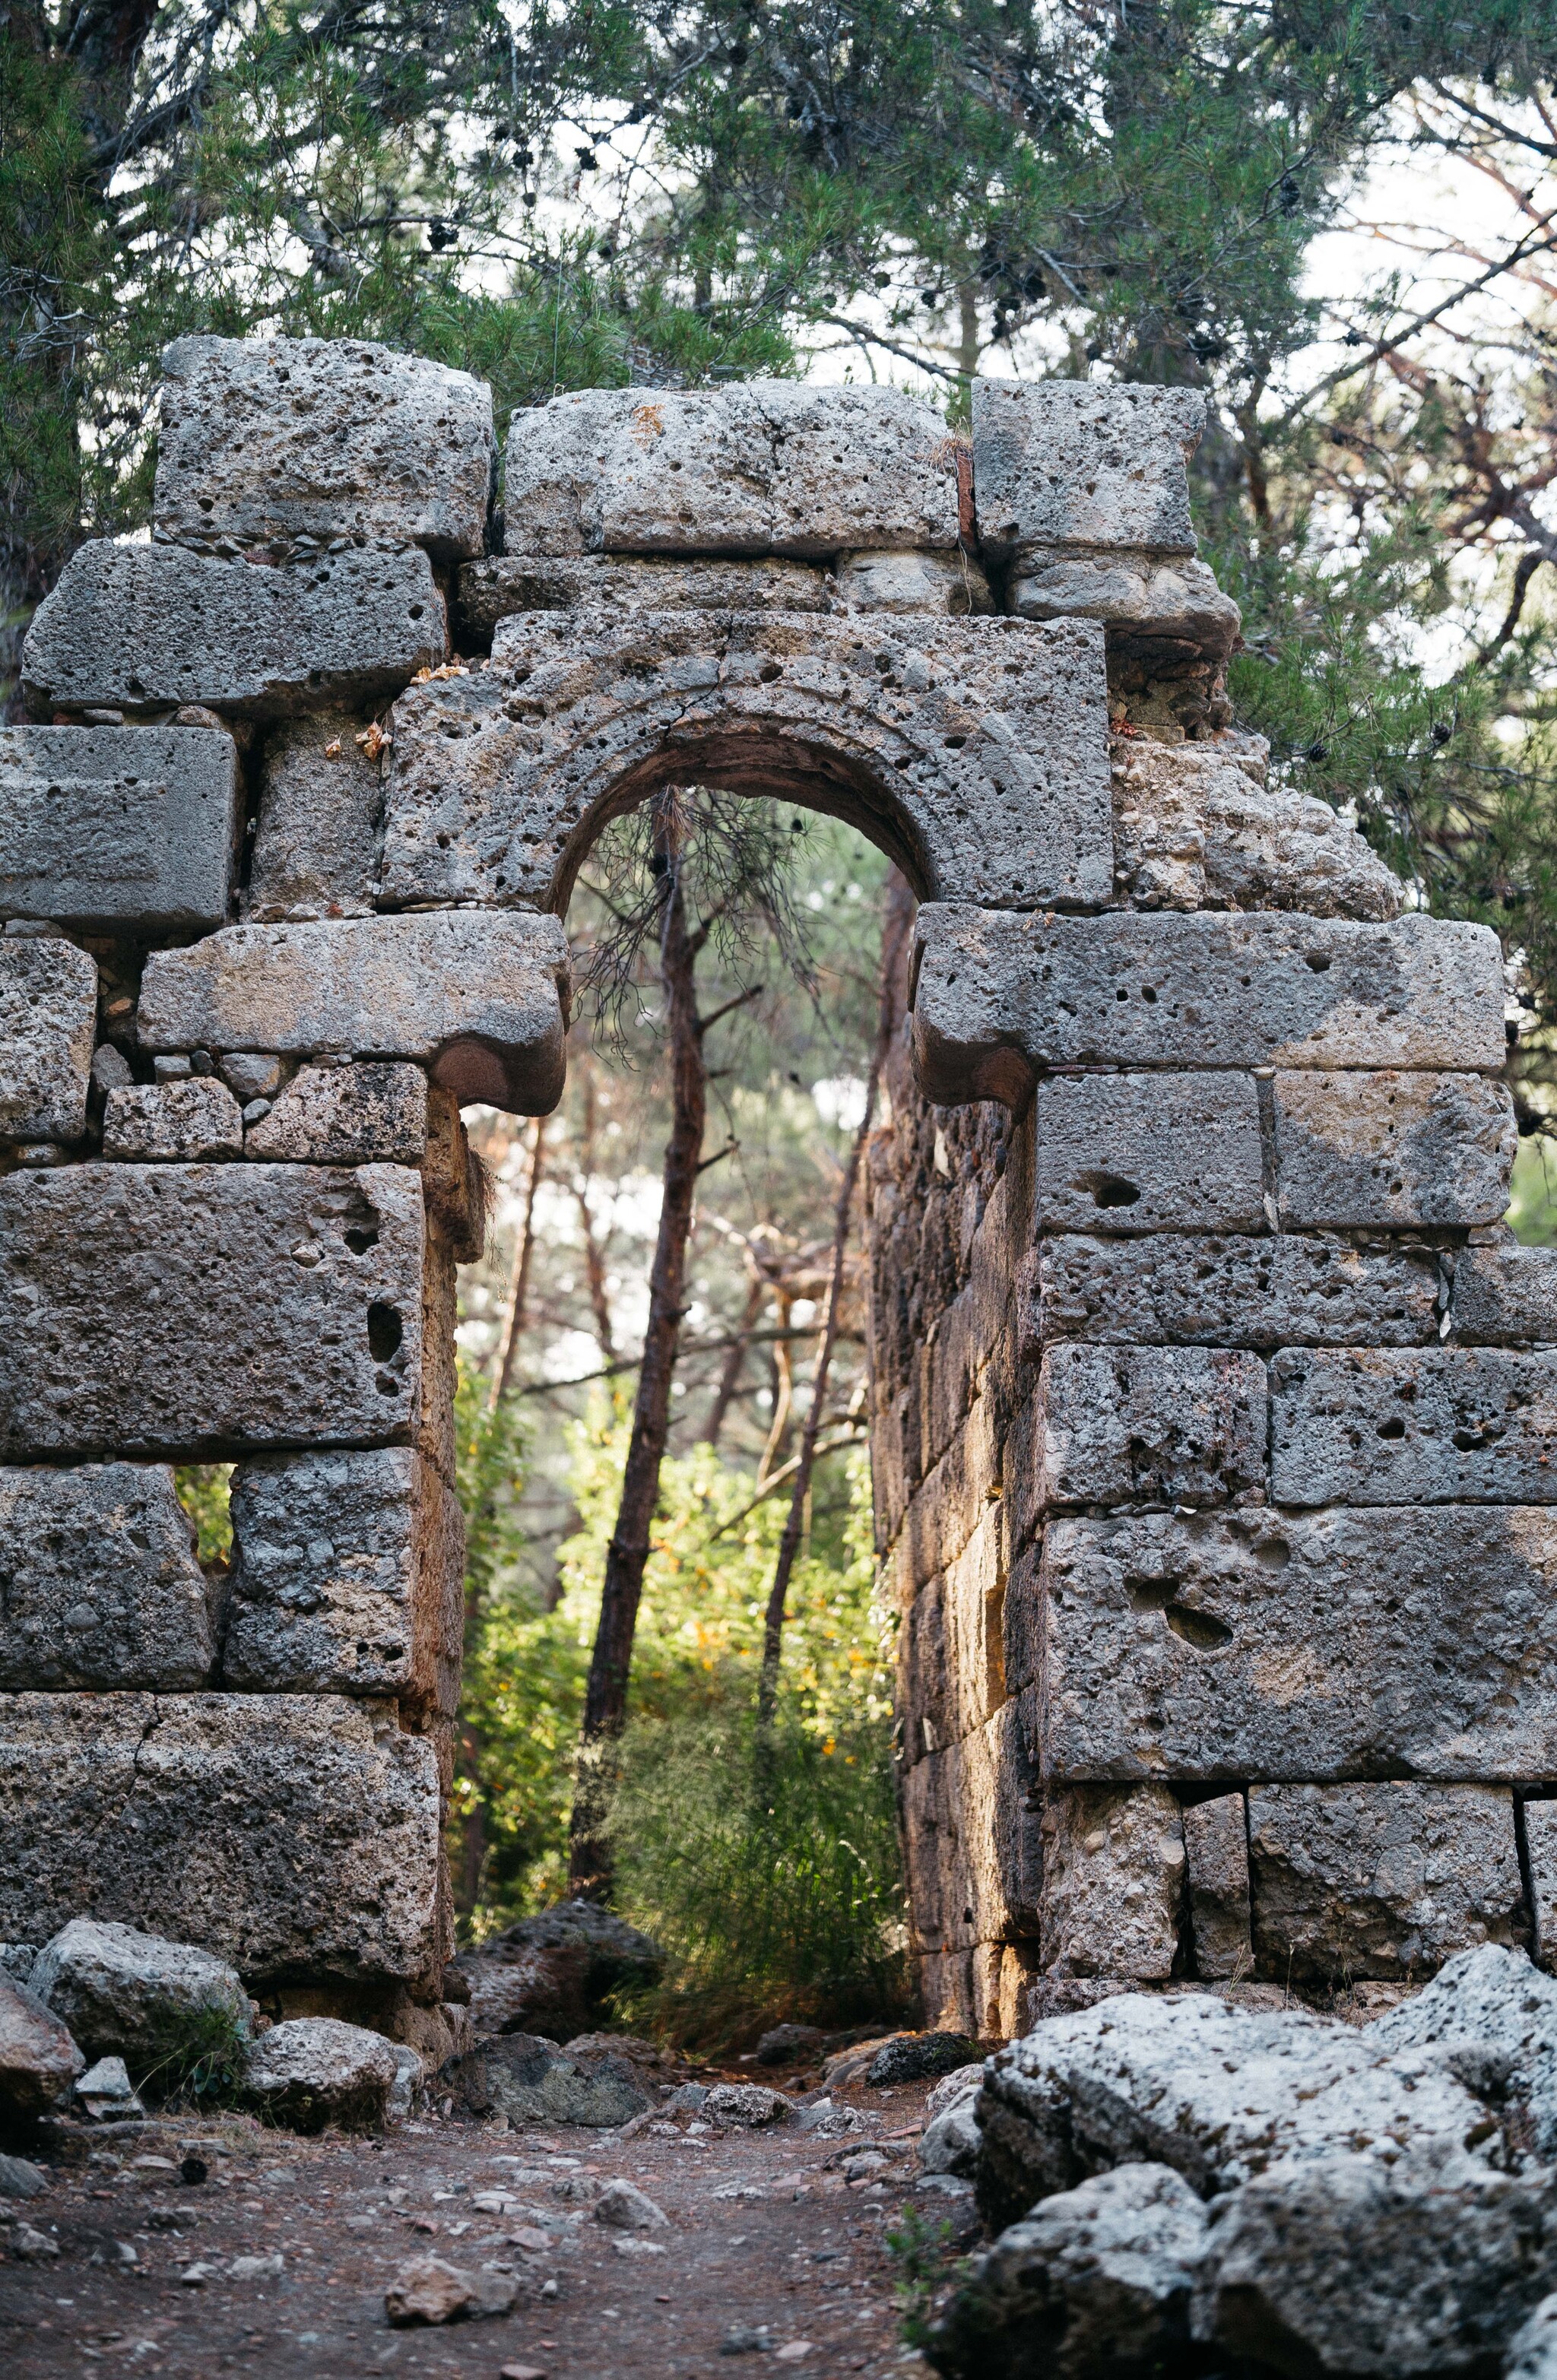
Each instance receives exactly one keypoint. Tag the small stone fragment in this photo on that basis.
(428, 2290)
(745, 2105)
(532, 2081)
(19, 2177)
(916, 2057)
(949, 584)
(250, 1075)
(32, 2246)
(189, 1123)
(105, 2089)
(622, 2206)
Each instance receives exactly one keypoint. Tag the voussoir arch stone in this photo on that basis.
(972, 751)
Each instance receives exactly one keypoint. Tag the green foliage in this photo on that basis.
(201, 2057)
(921, 2252)
(204, 1489)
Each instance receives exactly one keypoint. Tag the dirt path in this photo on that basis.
(766, 2236)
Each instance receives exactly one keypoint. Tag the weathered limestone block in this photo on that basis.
(316, 844)
(1068, 463)
(1408, 1426)
(950, 584)
(478, 997)
(140, 628)
(1162, 615)
(926, 1694)
(1113, 1882)
(1360, 1149)
(1383, 1880)
(1217, 1855)
(491, 590)
(346, 1115)
(312, 438)
(760, 466)
(1194, 829)
(1292, 1289)
(1180, 1426)
(1540, 1846)
(117, 830)
(48, 1014)
(972, 751)
(1000, 996)
(346, 1577)
(287, 1833)
(99, 1585)
(185, 1310)
(972, 1598)
(972, 1837)
(1148, 1153)
(188, 1122)
(1325, 1644)
(1505, 1296)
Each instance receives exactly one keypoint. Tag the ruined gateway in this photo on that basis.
(1213, 1401)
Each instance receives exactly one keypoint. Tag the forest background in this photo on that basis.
(1338, 221)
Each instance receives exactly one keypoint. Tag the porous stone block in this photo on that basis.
(1289, 1290)
(1540, 1848)
(48, 1014)
(1196, 827)
(117, 830)
(1132, 1153)
(267, 440)
(973, 752)
(190, 1310)
(970, 1599)
(321, 812)
(946, 583)
(346, 1577)
(99, 1585)
(1160, 616)
(1505, 1296)
(1389, 1147)
(490, 591)
(760, 466)
(1405, 1426)
(1217, 1856)
(1301, 1645)
(1074, 463)
(999, 996)
(346, 1115)
(187, 1122)
(142, 627)
(293, 1835)
(1113, 1882)
(972, 1833)
(1379, 1880)
(480, 999)
(1180, 1425)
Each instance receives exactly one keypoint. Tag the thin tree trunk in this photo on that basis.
(784, 1391)
(606, 1699)
(594, 1255)
(514, 1316)
(729, 1378)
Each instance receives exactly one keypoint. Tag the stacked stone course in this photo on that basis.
(1212, 1400)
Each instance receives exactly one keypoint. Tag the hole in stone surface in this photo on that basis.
(386, 1331)
(1201, 1628)
(359, 1238)
(1110, 1189)
(1319, 964)
(1394, 1428)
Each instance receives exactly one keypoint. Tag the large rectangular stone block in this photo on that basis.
(1075, 463)
(316, 840)
(1368, 1148)
(347, 1571)
(971, 1830)
(1380, 1880)
(479, 998)
(48, 1017)
(1114, 1878)
(1180, 1425)
(494, 590)
(184, 1310)
(295, 1835)
(760, 466)
(118, 829)
(1290, 1645)
(99, 1585)
(999, 996)
(143, 627)
(1407, 1425)
(972, 1595)
(360, 1115)
(1130, 1153)
(974, 752)
(1505, 1296)
(277, 440)
(1290, 1289)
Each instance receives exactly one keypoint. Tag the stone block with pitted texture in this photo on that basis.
(491, 590)
(481, 1000)
(188, 1311)
(142, 627)
(1068, 464)
(346, 1115)
(288, 1833)
(1179, 1426)
(1308, 1289)
(1217, 1857)
(266, 441)
(767, 467)
(1113, 1882)
(98, 1583)
(48, 1014)
(118, 829)
(320, 808)
(187, 1122)
(1413, 1425)
(1127, 1153)
(1388, 1148)
(1331, 1644)
(972, 751)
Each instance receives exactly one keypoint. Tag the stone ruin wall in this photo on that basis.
(1186, 1268)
